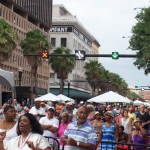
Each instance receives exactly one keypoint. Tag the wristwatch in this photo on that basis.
(78, 143)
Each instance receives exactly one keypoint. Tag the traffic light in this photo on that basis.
(44, 54)
(115, 55)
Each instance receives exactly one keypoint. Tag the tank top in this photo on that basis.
(126, 125)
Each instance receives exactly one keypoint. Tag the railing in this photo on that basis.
(106, 145)
(53, 142)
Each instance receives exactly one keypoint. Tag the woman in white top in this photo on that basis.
(8, 124)
(126, 122)
(30, 136)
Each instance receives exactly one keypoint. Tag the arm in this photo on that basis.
(1, 145)
(116, 132)
(143, 131)
(53, 129)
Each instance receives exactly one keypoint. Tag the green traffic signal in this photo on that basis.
(115, 55)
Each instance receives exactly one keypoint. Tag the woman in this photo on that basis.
(139, 135)
(30, 136)
(91, 115)
(8, 124)
(123, 137)
(126, 122)
(63, 125)
(108, 132)
(97, 123)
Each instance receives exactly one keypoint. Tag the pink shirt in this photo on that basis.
(61, 130)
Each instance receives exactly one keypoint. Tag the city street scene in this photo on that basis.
(74, 75)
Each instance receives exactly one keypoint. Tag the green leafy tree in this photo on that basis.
(8, 40)
(140, 40)
(62, 66)
(94, 75)
(34, 43)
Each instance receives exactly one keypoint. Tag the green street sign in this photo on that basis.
(115, 55)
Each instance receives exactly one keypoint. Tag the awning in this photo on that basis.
(73, 93)
(7, 78)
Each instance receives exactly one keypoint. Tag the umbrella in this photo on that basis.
(137, 102)
(47, 97)
(64, 98)
(109, 97)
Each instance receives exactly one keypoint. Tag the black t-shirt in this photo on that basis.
(144, 118)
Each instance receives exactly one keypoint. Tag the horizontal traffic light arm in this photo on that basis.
(86, 55)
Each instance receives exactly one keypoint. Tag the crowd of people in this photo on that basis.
(82, 126)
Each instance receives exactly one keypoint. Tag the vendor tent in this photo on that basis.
(47, 97)
(110, 97)
(137, 102)
(64, 98)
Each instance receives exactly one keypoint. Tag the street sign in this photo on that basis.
(80, 54)
(44, 54)
(115, 55)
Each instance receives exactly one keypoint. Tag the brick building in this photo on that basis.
(23, 16)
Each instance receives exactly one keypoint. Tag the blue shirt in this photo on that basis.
(84, 133)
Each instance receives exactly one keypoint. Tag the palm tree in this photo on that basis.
(8, 40)
(62, 66)
(34, 43)
(94, 75)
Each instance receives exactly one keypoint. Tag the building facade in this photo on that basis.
(68, 32)
(22, 18)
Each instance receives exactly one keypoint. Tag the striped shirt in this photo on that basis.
(85, 133)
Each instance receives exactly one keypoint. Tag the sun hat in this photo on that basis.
(50, 107)
(97, 112)
(137, 120)
(110, 113)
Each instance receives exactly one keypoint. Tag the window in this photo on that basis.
(52, 75)
(64, 42)
(53, 42)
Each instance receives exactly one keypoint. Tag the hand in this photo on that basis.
(71, 142)
(31, 145)
(2, 135)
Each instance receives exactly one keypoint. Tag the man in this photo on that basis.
(49, 123)
(80, 134)
(37, 110)
(144, 117)
(109, 108)
(16, 105)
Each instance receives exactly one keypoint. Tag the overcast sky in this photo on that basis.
(108, 21)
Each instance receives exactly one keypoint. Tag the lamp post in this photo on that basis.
(68, 88)
(20, 71)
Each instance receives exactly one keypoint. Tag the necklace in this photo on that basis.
(7, 127)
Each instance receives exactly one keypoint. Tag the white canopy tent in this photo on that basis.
(137, 102)
(47, 97)
(110, 97)
(64, 98)
(147, 104)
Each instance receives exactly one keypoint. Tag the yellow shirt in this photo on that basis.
(132, 116)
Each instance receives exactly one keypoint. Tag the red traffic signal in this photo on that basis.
(44, 54)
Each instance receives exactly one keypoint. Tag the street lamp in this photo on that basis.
(20, 71)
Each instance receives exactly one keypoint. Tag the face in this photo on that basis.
(50, 113)
(24, 124)
(120, 130)
(97, 116)
(125, 113)
(142, 107)
(10, 114)
(137, 124)
(82, 114)
(108, 108)
(15, 101)
(65, 117)
(107, 117)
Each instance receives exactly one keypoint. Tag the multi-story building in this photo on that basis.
(23, 16)
(68, 32)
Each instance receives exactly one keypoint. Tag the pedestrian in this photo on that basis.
(80, 134)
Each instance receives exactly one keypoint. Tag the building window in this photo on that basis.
(64, 42)
(52, 75)
(53, 42)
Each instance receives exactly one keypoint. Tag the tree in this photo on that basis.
(8, 40)
(62, 66)
(140, 40)
(34, 43)
(94, 75)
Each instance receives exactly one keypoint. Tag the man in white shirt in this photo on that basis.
(49, 123)
(37, 110)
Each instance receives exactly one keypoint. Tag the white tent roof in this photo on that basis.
(47, 97)
(137, 102)
(109, 97)
(64, 98)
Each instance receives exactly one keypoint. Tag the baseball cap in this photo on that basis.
(50, 107)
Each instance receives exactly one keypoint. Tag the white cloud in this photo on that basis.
(108, 21)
